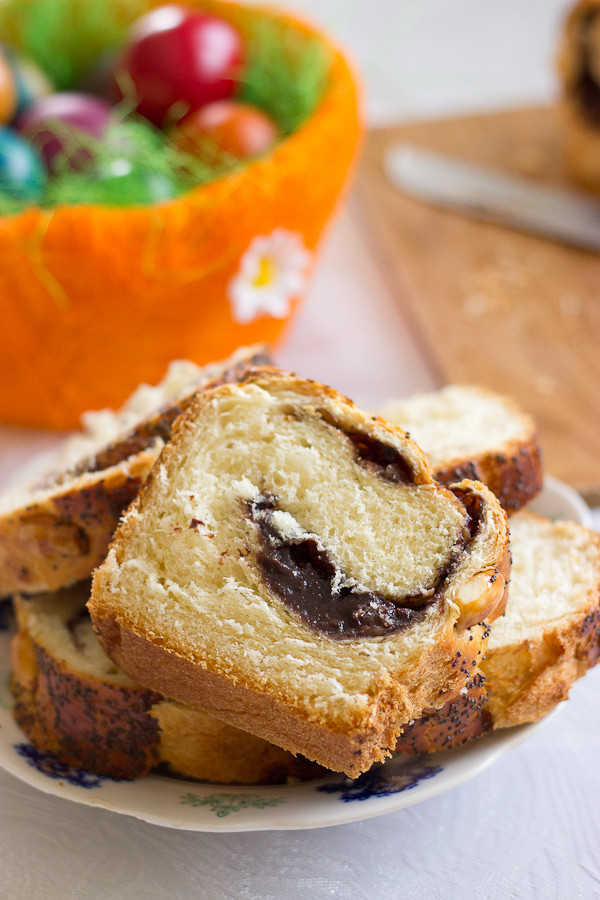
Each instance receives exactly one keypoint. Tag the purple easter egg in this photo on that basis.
(60, 127)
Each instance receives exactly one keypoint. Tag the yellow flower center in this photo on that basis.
(265, 274)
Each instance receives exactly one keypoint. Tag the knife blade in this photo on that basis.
(561, 214)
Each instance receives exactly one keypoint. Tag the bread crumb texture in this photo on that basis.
(459, 422)
(555, 574)
(550, 635)
(183, 570)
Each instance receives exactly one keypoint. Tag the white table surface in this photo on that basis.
(529, 827)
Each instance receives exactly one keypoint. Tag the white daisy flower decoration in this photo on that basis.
(272, 272)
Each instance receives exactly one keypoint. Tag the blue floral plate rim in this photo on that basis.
(397, 784)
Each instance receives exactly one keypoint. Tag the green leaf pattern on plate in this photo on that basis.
(224, 804)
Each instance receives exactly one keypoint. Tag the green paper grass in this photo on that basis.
(67, 37)
(285, 75)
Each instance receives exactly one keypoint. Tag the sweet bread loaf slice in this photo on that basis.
(54, 531)
(292, 567)
(547, 639)
(471, 432)
(579, 64)
(550, 635)
(72, 700)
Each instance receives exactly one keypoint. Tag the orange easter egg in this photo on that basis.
(226, 127)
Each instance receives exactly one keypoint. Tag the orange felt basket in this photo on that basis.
(95, 300)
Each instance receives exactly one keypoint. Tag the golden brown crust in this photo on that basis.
(357, 739)
(346, 416)
(525, 680)
(512, 470)
(449, 663)
(57, 540)
(196, 745)
(528, 679)
(458, 721)
(159, 424)
(63, 531)
(105, 728)
(466, 716)
(514, 474)
(126, 731)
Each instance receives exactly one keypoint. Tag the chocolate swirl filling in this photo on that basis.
(382, 459)
(303, 576)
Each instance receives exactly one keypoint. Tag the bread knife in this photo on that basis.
(561, 214)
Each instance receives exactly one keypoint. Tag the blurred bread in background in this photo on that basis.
(579, 65)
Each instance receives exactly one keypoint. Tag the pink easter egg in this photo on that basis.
(60, 126)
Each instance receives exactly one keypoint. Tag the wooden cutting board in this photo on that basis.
(491, 306)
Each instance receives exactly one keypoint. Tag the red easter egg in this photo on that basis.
(8, 90)
(226, 127)
(176, 60)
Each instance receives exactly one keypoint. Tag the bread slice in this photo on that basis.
(547, 639)
(72, 700)
(550, 636)
(292, 567)
(54, 531)
(579, 63)
(470, 432)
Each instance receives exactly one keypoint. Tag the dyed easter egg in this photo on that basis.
(60, 127)
(22, 175)
(178, 59)
(225, 128)
(8, 90)
(123, 183)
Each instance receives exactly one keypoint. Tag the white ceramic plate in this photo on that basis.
(398, 783)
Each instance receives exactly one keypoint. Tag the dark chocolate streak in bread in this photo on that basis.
(380, 458)
(301, 575)
(384, 460)
(474, 507)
